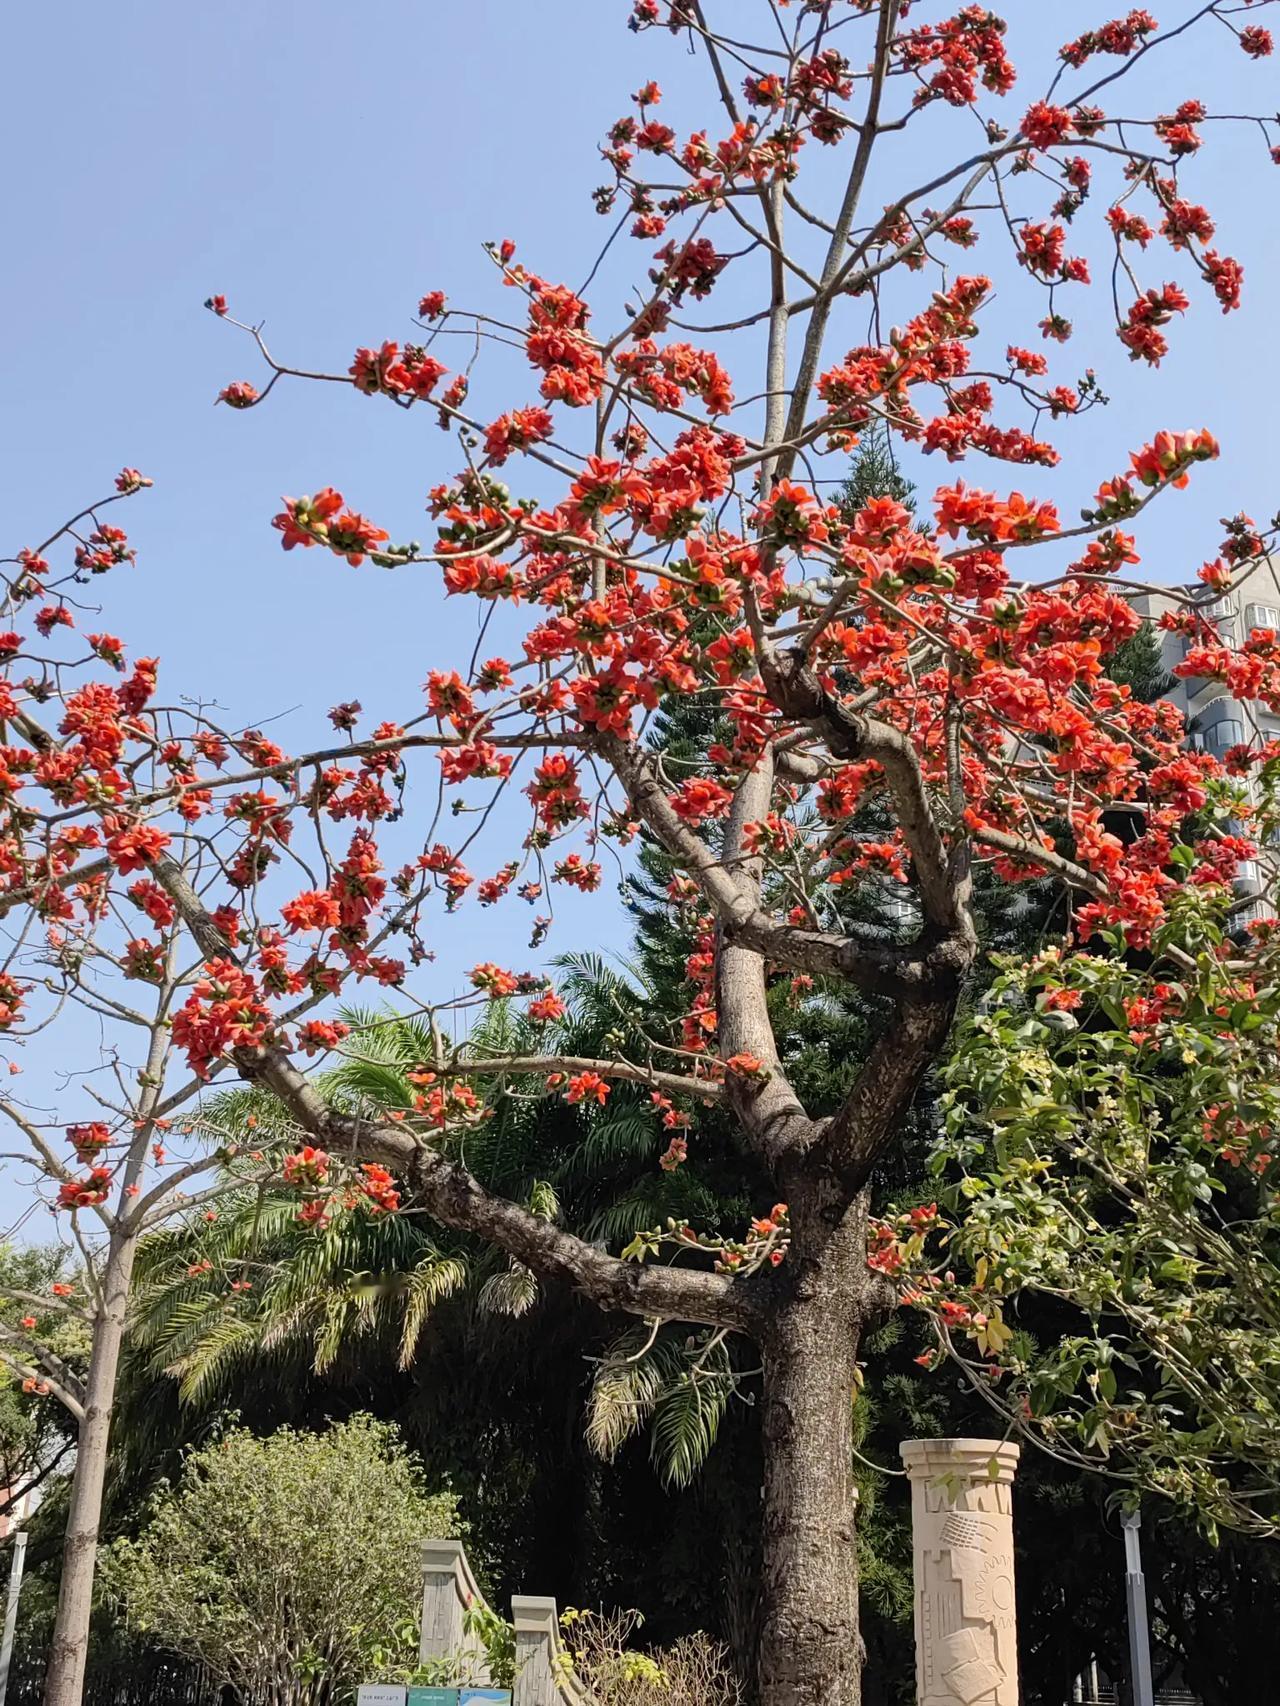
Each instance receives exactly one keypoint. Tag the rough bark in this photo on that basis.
(64, 1675)
(810, 1647)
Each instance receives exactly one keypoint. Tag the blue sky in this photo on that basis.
(322, 165)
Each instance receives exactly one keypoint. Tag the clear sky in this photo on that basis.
(324, 164)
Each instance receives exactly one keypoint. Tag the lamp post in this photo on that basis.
(15, 1588)
(1135, 1588)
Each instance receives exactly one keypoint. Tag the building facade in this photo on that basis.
(1215, 720)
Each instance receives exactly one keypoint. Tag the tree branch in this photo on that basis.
(850, 735)
(64, 1385)
(771, 1113)
(449, 1192)
(875, 966)
(872, 1114)
(815, 332)
(631, 1072)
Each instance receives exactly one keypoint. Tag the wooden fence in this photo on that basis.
(145, 1679)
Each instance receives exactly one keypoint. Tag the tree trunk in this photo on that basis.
(810, 1647)
(68, 1652)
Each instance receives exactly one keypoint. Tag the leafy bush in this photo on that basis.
(289, 1563)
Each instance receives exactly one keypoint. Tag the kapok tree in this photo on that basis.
(679, 542)
(141, 1155)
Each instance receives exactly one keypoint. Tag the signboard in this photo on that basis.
(474, 1696)
(433, 1697)
(379, 1694)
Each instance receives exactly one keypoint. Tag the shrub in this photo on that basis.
(287, 1564)
(693, 1671)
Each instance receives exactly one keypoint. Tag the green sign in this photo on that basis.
(474, 1696)
(433, 1697)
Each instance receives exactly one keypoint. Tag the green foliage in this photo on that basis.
(362, 1276)
(286, 1562)
(627, 1384)
(1139, 664)
(497, 1639)
(1113, 1129)
(487, 1660)
(34, 1425)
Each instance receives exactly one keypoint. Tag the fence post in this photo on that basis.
(543, 1677)
(448, 1588)
(11, 1607)
(536, 1643)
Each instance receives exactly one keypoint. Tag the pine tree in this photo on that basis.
(875, 474)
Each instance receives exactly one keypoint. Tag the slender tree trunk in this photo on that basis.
(810, 1646)
(64, 1677)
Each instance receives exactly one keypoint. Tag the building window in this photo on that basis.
(1261, 616)
(1228, 731)
(1254, 913)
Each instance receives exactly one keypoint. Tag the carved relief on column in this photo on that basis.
(962, 1527)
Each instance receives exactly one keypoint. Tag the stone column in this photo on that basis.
(962, 1526)
(543, 1677)
(448, 1589)
(535, 1626)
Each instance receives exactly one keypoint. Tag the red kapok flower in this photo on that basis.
(586, 1087)
(309, 1166)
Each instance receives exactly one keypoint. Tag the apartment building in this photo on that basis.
(1216, 721)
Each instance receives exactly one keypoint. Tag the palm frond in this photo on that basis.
(499, 1029)
(600, 998)
(434, 1278)
(283, 1329)
(626, 1386)
(371, 1083)
(543, 1200)
(245, 1108)
(511, 1292)
(341, 1314)
(384, 1034)
(621, 1134)
(190, 1321)
(686, 1420)
(224, 1345)
(652, 1199)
